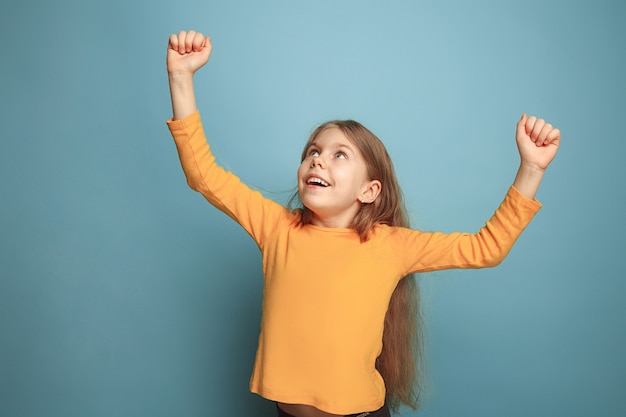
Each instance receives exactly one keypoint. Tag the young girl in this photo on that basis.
(337, 321)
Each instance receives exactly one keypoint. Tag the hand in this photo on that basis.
(187, 52)
(537, 142)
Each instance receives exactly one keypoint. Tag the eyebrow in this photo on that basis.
(314, 144)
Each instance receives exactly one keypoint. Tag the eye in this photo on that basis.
(313, 152)
(340, 155)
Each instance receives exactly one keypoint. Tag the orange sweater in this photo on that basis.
(326, 292)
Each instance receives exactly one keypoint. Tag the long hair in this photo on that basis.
(400, 362)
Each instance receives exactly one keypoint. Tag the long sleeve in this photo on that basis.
(255, 213)
(487, 248)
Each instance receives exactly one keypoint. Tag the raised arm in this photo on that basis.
(187, 52)
(537, 142)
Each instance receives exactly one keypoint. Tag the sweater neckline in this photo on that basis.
(331, 229)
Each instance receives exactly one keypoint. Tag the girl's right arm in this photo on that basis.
(187, 52)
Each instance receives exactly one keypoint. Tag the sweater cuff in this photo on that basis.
(519, 198)
(182, 124)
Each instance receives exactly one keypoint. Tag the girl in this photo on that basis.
(337, 322)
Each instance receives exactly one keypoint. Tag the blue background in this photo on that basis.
(124, 293)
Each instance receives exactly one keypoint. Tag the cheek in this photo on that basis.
(351, 174)
(300, 173)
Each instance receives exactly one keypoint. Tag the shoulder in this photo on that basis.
(390, 233)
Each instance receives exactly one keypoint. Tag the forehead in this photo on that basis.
(332, 136)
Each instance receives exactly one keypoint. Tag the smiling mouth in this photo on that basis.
(317, 182)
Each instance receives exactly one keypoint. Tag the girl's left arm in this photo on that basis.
(538, 143)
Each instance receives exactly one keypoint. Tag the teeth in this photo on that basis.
(317, 181)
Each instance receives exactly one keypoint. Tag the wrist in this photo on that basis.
(180, 76)
(182, 94)
(532, 167)
(528, 179)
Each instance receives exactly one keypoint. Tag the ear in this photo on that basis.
(371, 190)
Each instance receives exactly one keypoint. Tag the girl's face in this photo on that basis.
(333, 180)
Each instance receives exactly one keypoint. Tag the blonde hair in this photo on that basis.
(400, 362)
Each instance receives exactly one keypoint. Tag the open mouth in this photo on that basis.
(317, 182)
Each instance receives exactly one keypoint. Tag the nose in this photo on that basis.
(317, 161)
